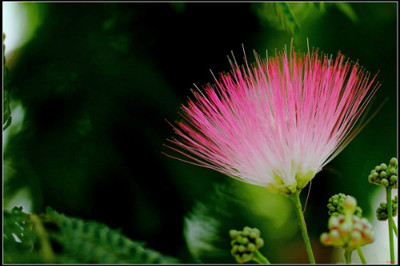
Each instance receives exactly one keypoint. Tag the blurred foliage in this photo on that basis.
(97, 81)
(6, 98)
(291, 15)
(55, 238)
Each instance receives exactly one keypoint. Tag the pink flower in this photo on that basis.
(277, 122)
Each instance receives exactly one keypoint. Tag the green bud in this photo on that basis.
(244, 241)
(383, 166)
(233, 233)
(246, 231)
(393, 179)
(377, 168)
(257, 231)
(393, 161)
(259, 242)
(385, 182)
(374, 175)
(247, 257)
(358, 211)
(251, 247)
(392, 171)
(242, 249)
(239, 259)
(253, 235)
(383, 174)
(234, 250)
(233, 242)
(371, 179)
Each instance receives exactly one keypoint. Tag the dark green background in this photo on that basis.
(97, 82)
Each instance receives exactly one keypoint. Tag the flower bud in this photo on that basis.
(344, 228)
(242, 249)
(324, 238)
(385, 182)
(371, 179)
(383, 174)
(374, 175)
(259, 242)
(393, 161)
(383, 166)
(350, 204)
(243, 240)
(333, 222)
(251, 247)
(358, 227)
(334, 235)
(355, 236)
(392, 171)
(246, 231)
(233, 233)
(247, 257)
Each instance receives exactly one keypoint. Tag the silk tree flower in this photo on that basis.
(277, 122)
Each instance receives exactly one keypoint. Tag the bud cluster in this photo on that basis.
(336, 205)
(385, 175)
(382, 212)
(348, 235)
(346, 229)
(245, 243)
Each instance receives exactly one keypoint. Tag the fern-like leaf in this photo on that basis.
(55, 237)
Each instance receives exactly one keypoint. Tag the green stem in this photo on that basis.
(394, 227)
(360, 253)
(259, 258)
(390, 222)
(45, 249)
(296, 199)
(347, 256)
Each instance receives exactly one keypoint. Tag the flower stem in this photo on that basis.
(394, 227)
(259, 258)
(390, 222)
(296, 199)
(347, 256)
(360, 253)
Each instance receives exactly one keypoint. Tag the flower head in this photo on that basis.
(277, 122)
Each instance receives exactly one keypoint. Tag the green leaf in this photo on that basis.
(348, 11)
(6, 99)
(71, 240)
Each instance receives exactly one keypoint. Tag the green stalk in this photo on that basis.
(347, 256)
(394, 227)
(296, 199)
(45, 249)
(390, 222)
(259, 258)
(360, 253)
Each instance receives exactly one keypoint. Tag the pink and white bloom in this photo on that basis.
(277, 122)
